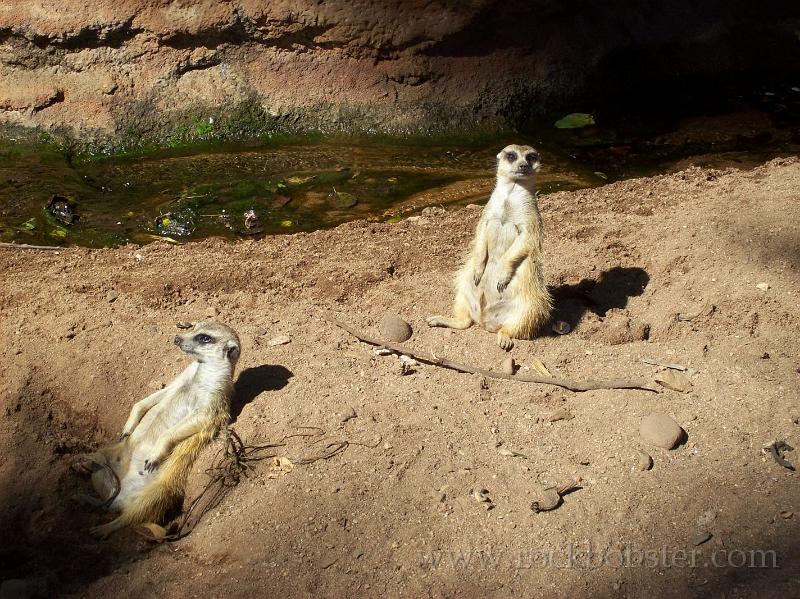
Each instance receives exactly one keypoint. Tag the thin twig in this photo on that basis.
(445, 363)
(26, 246)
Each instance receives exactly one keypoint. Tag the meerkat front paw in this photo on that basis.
(503, 283)
(153, 463)
(504, 341)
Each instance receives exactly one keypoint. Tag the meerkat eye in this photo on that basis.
(532, 157)
(511, 156)
(204, 339)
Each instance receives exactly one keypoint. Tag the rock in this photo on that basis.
(661, 430)
(786, 514)
(327, 561)
(643, 461)
(676, 381)
(561, 414)
(700, 538)
(433, 211)
(348, 414)
(341, 199)
(111, 296)
(482, 496)
(706, 518)
(508, 366)
(279, 340)
(763, 286)
(394, 328)
(561, 327)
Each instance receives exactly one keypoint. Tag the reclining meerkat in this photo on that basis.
(501, 286)
(143, 475)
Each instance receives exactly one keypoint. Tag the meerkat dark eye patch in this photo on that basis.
(532, 157)
(204, 339)
(511, 156)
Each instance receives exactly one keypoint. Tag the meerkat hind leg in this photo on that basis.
(461, 319)
(102, 531)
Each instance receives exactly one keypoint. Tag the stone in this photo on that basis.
(700, 538)
(674, 380)
(643, 461)
(279, 340)
(561, 414)
(395, 329)
(706, 518)
(508, 366)
(112, 296)
(661, 430)
(347, 414)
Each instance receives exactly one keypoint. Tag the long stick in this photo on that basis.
(445, 363)
(25, 246)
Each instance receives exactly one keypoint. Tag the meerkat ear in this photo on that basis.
(231, 351)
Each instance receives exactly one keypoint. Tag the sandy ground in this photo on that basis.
(398, 519)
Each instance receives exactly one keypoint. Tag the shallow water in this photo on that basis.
(301, 186)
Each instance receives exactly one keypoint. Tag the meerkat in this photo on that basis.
(501, 285)
(143, 474)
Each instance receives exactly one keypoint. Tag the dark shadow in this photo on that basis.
(252, 382)
(610, 290)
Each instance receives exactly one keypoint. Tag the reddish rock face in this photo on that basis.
(114, 66)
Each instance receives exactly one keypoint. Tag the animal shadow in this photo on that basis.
(254, 381)
(610, 290)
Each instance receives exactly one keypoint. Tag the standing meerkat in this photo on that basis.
(143, 475)
(501, 286)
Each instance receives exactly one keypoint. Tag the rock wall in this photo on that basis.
(132, 68)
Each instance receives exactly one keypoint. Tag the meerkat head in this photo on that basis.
(517, 162)
(210, 341)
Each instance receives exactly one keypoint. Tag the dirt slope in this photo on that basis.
(624, 260)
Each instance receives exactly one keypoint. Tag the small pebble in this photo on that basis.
(700, 538)
(561, 414)
(706, 518)
(660, 430)
(279, 340)
(786, 514)
(394, 328)
(347, 414)
(674, 380)
(643, 461)
(561, 327)
(763, 286)
(508, 366)
(112, 296)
